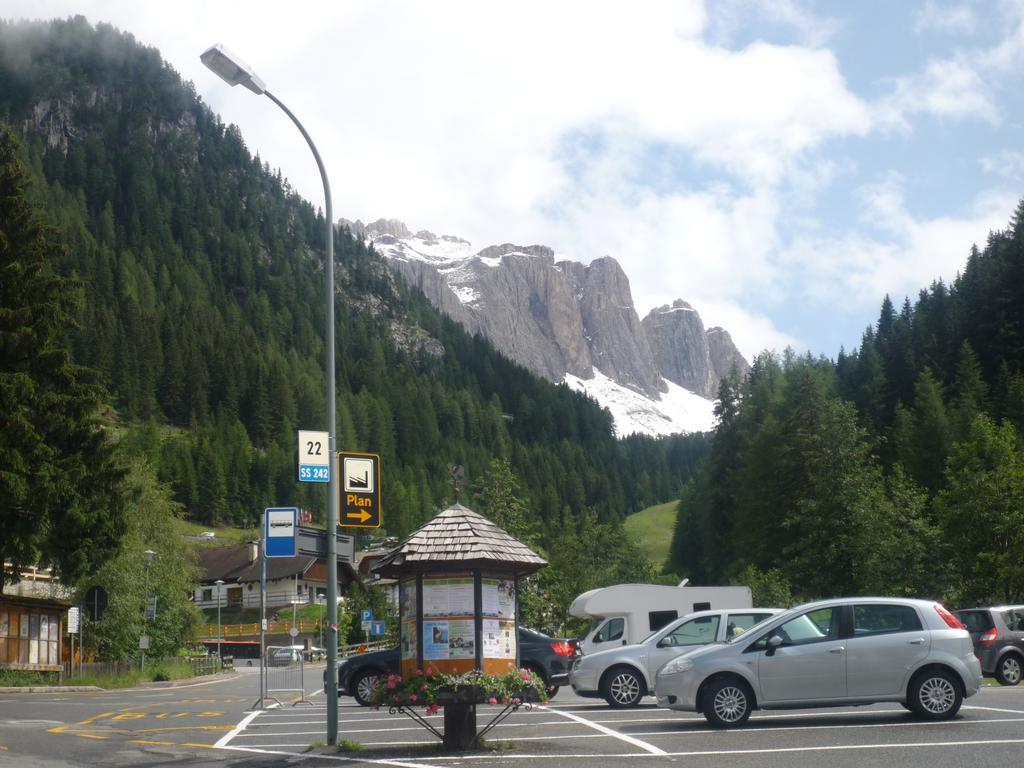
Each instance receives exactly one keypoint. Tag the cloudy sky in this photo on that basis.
(782, 165)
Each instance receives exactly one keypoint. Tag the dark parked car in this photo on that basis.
(550, 657)
(998, 635)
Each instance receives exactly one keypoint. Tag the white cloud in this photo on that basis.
(1008, 164)
(851, 271)
(945, 17)
(949, 88)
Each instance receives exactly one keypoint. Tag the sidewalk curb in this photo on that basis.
(94, 688)
(50, 689)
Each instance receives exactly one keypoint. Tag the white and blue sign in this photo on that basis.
(279, 534)
(376, 628)
(314, 458)
(366, 615)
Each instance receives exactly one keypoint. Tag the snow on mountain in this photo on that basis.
(678, 410)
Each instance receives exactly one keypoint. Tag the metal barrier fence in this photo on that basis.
(285, 670)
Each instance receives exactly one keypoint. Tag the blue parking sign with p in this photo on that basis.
(366, 615)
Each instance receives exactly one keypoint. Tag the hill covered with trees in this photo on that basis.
(897, 468)
(197, 271)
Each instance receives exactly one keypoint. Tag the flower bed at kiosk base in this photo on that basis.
(459, 695)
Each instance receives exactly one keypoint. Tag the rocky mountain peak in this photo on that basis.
(570, 322)
(375, 229)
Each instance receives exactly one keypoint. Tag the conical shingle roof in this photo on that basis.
(459, 538)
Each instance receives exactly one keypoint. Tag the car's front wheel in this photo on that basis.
(623, 687)
(1009, 670)
(935, 695)
(727, 703)
(363, 686)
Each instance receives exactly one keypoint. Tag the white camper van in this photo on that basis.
(627, 613)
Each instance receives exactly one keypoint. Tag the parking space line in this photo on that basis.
(832, 727)
(650, 748)
(995, 709)
(842, 747)
(335, 758)
(227, 737)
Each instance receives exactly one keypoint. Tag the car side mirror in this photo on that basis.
(773, 642)
(598, 638)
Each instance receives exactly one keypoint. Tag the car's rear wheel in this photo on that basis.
(1008, 672)
(935, 695)
(363, 685)
(623, 687)
(727, 703)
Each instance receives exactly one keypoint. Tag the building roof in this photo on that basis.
(459, 537)
(236, 564)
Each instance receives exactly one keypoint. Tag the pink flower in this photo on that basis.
(432, 709)
(423, 687)
(419, 672)
(525, 673)
(517, 702)
(430, 670)
(492, 700)
(391, 685)
(413, 697)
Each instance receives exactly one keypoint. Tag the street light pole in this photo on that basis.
(234, 72)
(149, 553)
(220, 590)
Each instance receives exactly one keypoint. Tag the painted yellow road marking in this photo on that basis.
(170, 743)
(92, 736)
(94, 718)
(129, 716)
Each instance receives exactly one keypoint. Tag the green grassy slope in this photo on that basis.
(652, 529)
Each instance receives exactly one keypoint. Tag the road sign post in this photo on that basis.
(281, 524)
(313, 457)
(359, 490)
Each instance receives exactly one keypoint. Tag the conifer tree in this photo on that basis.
(60, 497)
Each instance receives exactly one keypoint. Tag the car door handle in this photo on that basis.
(916, 641)
(840, 649)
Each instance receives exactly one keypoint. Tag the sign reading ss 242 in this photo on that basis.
(360, 490)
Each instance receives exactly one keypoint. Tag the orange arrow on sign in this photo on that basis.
(362, 515)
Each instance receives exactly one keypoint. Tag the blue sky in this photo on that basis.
(780, 165)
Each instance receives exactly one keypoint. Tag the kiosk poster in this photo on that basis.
(499, 639)
(499, 597)
(461, 640)
(449, 596)
(407, 602)
(435, 640)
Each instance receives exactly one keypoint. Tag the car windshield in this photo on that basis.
(747, 635)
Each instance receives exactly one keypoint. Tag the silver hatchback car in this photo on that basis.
(622, 676)
(830, 653)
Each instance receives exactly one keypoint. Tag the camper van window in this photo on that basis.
(701, 607)
(611, 631)
(659, 619)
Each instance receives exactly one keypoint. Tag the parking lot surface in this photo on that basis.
(571, 731)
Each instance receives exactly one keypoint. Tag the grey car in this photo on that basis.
(831, 653)
(998, 635)
(624, 674)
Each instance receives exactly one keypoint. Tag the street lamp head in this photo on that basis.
(219, 582)
(149, 553)
(231, 69)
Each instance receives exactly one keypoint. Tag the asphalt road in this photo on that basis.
(209, 724)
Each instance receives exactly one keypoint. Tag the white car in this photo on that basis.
(624, 674)
(839, 652)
